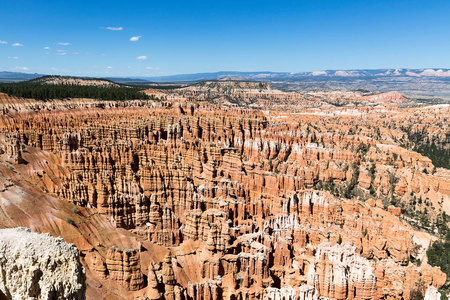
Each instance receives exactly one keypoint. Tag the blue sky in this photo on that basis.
(176, 37)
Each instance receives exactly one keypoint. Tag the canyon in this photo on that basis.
(232, 190)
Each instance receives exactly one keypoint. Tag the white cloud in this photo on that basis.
(151, 68)
(15, 57)
(141, 57)
(60, 50)
(63, 44)
(76, 53)
(46, 48)
(3, 42)
(114, 28)
(17, 45)
(135, 38)
(21, 68)
(61, 53)
(109, 67)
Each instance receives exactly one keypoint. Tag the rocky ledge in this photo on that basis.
(39, 266)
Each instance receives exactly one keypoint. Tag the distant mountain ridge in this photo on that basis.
(260, 75)
(17, 76)
(426, 84)
(209, 76)
(363, 73)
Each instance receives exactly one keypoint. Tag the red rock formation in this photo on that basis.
(123, 267)
(232, 192)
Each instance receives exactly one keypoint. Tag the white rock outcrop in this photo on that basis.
(432, 294)
(39, 266)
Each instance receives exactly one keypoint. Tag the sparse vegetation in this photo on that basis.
(435, 150)
(416, 293)
(70, 221)
(363, 149)
(353, 182)
(439, 255)
(75, 209)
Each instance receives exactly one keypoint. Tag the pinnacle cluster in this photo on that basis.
(232, 191)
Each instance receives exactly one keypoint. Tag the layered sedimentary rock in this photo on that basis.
(227, 203)
(38, 266)
(123, 266)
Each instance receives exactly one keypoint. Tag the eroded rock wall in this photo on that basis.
(231, 194)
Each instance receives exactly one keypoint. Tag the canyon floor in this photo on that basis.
(235, 190)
